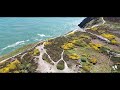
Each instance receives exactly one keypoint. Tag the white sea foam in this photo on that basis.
(15, 44)
(37, 39)
(41, 35)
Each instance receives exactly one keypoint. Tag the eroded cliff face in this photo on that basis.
(95, 49)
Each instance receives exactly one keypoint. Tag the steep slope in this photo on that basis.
(94, 48)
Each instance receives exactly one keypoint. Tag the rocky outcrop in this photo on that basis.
(85, 21)
(96, 50)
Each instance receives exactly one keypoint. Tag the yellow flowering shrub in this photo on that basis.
(74, 56)
(47, 43)
(113, 41)
(73, 41)
(15, 62)
(108, 36)
(93, 60)
(95, 46)
(85, 55)
(36, 52)
(84, 36)
(86, 67)
(9, 67)
(67, 46)
(111, 38)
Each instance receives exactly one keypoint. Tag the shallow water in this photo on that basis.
(18, 31)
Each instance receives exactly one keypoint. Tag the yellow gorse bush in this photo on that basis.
(36, 52)
(114, 41)
(95, 46)
(9, 67)
(84, 36)
(111, 38)
(67, 46)
(47, 43)
(74, 56)
(73, 41)
(108, 36)
(86, 67)
(93, 60)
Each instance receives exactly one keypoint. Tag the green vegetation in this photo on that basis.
(10, 67)
(68, 46)
(74, 56)
(115, 59)
(84, 59)
(105, 49)
(60, 65)
(87, 67)
(95, 46)
(45, 58)
(36, 52)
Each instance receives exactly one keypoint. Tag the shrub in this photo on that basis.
(9, 67)
(36, 52)
(93, 60)
(80, 43)
(73, 41)
(95, 46)
(74, 56)
(84, 36)
(114, 42)
(85, 55)
(115, 59)
(47, 43)
(60, 65)
(108, 36)
(84, 59)
(67, 46)
(86, 68)
(104, 49)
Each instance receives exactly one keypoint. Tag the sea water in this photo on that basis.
(18, 31)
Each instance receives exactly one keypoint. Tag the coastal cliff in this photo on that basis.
(94, 48)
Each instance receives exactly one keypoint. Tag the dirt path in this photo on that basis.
(45, 67)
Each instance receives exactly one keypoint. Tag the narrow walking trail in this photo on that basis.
(45, 67)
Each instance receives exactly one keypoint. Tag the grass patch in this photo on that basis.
(60, 65)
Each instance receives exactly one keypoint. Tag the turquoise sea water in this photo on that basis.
(18, 31)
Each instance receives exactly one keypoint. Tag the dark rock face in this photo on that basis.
(86, 20)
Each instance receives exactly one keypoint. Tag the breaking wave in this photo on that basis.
(15, 44)
(43, 35)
